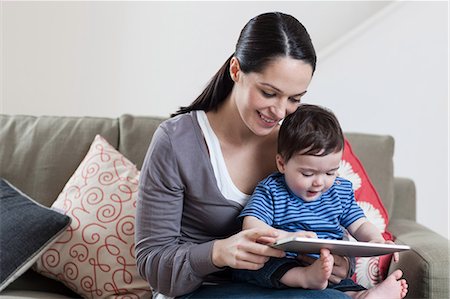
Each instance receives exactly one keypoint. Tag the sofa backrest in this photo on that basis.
(376, 154)
(136, 132)
(39, 154)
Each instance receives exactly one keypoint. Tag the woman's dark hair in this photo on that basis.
(310, 130)
(263, 38)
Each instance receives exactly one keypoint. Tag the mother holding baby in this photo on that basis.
(205, 161)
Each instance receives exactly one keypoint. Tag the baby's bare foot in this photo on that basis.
(314, 276)
(392, 287)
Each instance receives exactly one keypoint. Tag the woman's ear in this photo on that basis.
(235, 69)
(280, 163)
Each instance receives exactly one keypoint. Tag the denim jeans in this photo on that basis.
(269, 276)
(244, 290)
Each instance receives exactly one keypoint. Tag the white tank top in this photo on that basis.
(224, 182)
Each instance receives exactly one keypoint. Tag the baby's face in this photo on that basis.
(309, 176)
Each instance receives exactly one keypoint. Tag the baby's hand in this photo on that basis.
(301, 234)
(383, 241)
(396, 255)
(305, 234)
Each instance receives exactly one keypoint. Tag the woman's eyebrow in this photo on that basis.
(278, 90)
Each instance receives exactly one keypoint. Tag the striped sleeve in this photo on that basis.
(351, 210)
(260, 204)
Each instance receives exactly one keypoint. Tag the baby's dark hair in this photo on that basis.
(310, 130)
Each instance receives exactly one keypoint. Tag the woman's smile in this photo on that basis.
(269, 122)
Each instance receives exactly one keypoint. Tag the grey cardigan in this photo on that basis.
(180, 210)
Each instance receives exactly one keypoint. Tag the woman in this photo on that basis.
(204, 162)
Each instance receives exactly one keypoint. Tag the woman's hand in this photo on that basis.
(244, 249)
(340, 267)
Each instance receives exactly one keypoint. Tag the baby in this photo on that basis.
(306, 198)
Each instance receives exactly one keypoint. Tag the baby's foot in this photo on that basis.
(313, 277)
(392, 287)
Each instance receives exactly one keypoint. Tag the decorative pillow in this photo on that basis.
(369, 270)
(95, 256)
(26, 229)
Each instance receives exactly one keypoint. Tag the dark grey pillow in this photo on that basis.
(26, 229)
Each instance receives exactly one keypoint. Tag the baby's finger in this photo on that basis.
(311, 235)
(334, 279)
(306, 234)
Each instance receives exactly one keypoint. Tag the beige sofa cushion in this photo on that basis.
(136, 133)
(37, 150)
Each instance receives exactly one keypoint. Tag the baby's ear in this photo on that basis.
(280, 163)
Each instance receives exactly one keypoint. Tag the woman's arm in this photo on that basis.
(172, 266)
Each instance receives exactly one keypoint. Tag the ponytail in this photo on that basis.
(263, 39)
(217, 90)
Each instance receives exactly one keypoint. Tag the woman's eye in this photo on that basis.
(295, 100)
(267, 94)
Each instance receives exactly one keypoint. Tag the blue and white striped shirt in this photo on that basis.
(275, 204)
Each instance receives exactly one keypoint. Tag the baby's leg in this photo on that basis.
(392, 287)
(314, 276)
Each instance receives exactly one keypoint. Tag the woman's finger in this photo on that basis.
(262, 250)
(250, 260)
(306, 259)
(334, 279)
(340, 268)
(266, 240)
(339, 260)
(253, 246)
(256, 233)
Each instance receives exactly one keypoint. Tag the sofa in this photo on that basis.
(39, 154)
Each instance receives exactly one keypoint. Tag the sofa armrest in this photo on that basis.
(426, 265)
(404, 206)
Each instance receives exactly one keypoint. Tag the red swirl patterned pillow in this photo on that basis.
(369, 270)
(95, 256)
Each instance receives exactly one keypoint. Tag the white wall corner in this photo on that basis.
(357, 31)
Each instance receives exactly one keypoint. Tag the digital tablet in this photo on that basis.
(339, 247)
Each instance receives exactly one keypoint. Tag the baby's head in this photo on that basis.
(310, 146)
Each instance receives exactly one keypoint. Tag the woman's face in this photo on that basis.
(265, 98)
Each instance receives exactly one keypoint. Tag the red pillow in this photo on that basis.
(371, 270)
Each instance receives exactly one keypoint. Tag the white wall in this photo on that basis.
(108, 58)
(148, 58)
(392, 78)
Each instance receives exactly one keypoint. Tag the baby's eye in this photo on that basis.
(333, 173)
(307, 174)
